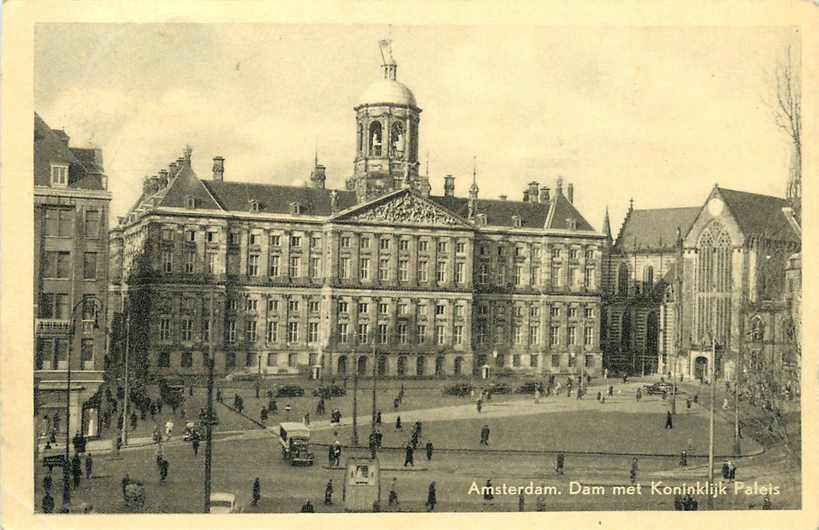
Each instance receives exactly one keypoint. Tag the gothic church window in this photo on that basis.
(375, 138)
(397, 141)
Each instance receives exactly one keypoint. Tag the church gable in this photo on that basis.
(403, 207)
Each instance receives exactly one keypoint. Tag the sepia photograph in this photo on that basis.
(359, 267)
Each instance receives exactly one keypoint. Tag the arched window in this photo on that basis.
(652, 333)
(757, 329)
(622, 279)
(625, 331)
(713, 284)
(500, 360)
(382, 365)
(375, 138)
(420, 365)
(402, 366)
(360, 138)
(648, 277)
(439, 365)
(362, 365)
(342, 366)
(459, 365)
(397, 141)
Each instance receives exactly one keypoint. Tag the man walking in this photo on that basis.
(633, 472)
(89, 465)
(393, 497)
(432, 498)
(409, 454)
(163, 469)
(195, 443)
(668, 424)
(257, 491)
(328, 492)
(48, 503)
(76, 470)
(429, 450)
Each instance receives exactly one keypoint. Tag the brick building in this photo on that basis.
(382, 275)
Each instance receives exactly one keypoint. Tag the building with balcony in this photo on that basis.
(71, 204)
(381, 276)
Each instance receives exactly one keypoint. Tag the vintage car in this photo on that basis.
(500, 388)
(329, 391)
(294, 438)
(290, 391)
(658, 388)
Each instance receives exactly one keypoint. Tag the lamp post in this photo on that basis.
(127, 390)
(209, 417)
(71, 331)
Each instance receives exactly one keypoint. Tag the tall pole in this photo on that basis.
(713, 384)
(209, 417)
(355, 404)
(127, 390)
(375, 379)
(67, 463)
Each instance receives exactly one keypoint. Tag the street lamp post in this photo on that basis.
(127, 389)
(209, 417)
(71, 332)
(375, 379)
(355, 404)
(713, 384)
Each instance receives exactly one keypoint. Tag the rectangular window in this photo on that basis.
(555, 253)
(533, 360)
(460, 247)
(482, 333)
(589, 361)
(315, 268)
(251, 305)
(363, 307)
(59, 222)
(459, 311)
(345, 242)
(422, 271)
(292, 332)
(458, 335)
(442, 245)
(58, 264)
(557, 277)
(383, 308)
(554, 312)
(517, 333)
(501, 274)
(517, 276)
(167, 261)
(364, 242)
(384, 269)
(343, 307)
(273, 306)
(250, 359)
(588, 312)
(589, 255)
(499, 335)
(422, 333)
(518, 251)
(556, 360)
(206, 331)
(554, 336)
(230, 331)
(403, 270)
(403, 244)
(384, 243)
(573, 277)
(61, 308)
(588, 279)
(211, 236)
(440, 309)
(518, 311)
(315, 242)
(187, 330)
(363, 332)
(440, 271)
(293, 306)
(272, 359)
(187, 359)
(572, 312)
(165, 329)
(483, 274)
(535, 276)
(534, 335)
(272, 332)
(460, 276)
(422, 309)
(87, 351)
(274, 265)
(403, 309)
(294, 267)
(233, 304)
(253, 265)
(190, 258)
(342, 333)
(588, 336)
(230, 359)
(364, 269)
(440, 335)
(344, 269)
(516, 360)
(423, 245)
(295, 241)
(314, 306)
(572, 335)
(402, 333)
(573, 253)
(275, 240)
(292, 359)
(383, 334)
(536, 251)
(234, 239)
(500, 250)
(59, 176)
(312, 332)
(190, 235)
(92, 224)
(572, 361)
(211, 263)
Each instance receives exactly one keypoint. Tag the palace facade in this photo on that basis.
(381, 277)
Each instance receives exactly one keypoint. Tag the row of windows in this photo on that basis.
(59, 222)
(57, 265)
(534, 311)
(52, 354)
(517, 335)
(556, 276)
(186, 331)
(400, 335)
(251, 360)
(519, 251)
(500, 360)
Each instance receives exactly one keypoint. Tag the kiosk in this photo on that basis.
(362, 485)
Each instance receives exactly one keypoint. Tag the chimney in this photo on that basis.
(318, 177)
(218, 168)
(172, 168)
(533, 186)
(60, 133)
(163, 178)
(526, 195)
(559, 186)
(502, 197)
(449, 186)
(333, 201)
(544, 194)
(570, 192)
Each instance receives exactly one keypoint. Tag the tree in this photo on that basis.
(788, 116)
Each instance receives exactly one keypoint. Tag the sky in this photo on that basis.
(657, 114)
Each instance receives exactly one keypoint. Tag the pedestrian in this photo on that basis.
(678, 503)
(683, 458)
(257, 492)
(331, 455)
(487, 490)
(163, 469)
(320, 407)
(599, 396)
(479, 403)
(76, 470)
(48, 503)
(408, 457)
(766, 502)
(639, 394)
(486, 435)
(393, 496)
(219, 395)
(307, 419)
(726, 471)
(668, 424)
(696, 398)
(328, 492)
(263, 414)
(48, 481)
(378, 417)
(559, 462)
(159, 455)
(521, 501)
(133, 418)
(89, 466)
(634, 468)
(379, 437)
(125, 481)
(337, 453)
(414, 439)
(372, 444)
(725, 404)
(432, 498)
(429, 450)
(168, 429)
(611, 390)
(687, 404)
(195, 443)
(541, 503)
(307, 507)
(272, 407)
(395, 403)
(398, 423)
(732, 470)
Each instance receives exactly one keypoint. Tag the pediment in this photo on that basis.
(404, 207)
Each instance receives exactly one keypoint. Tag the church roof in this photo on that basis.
(388, 91)
(85, 169)
(759, 214)
(654, 229)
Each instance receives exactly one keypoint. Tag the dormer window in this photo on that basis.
(190, 202)
(254, 205)
(481, 219)
(59, 176)
(571, 223)
(296, 208)
(516, 220)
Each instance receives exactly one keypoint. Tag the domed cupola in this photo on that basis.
(387, 118)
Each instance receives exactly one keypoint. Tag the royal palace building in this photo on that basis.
(380, 277)
(71, 208)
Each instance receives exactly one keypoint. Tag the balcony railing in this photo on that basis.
(55, 326)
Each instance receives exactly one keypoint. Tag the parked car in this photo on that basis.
(458, 389)
(294, 438)
(500, 388)
(658, 388)
(223, 503)
(527, 388)
(328, 391)
(290, 391)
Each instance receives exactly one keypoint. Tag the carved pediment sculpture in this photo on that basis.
(407, 209)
